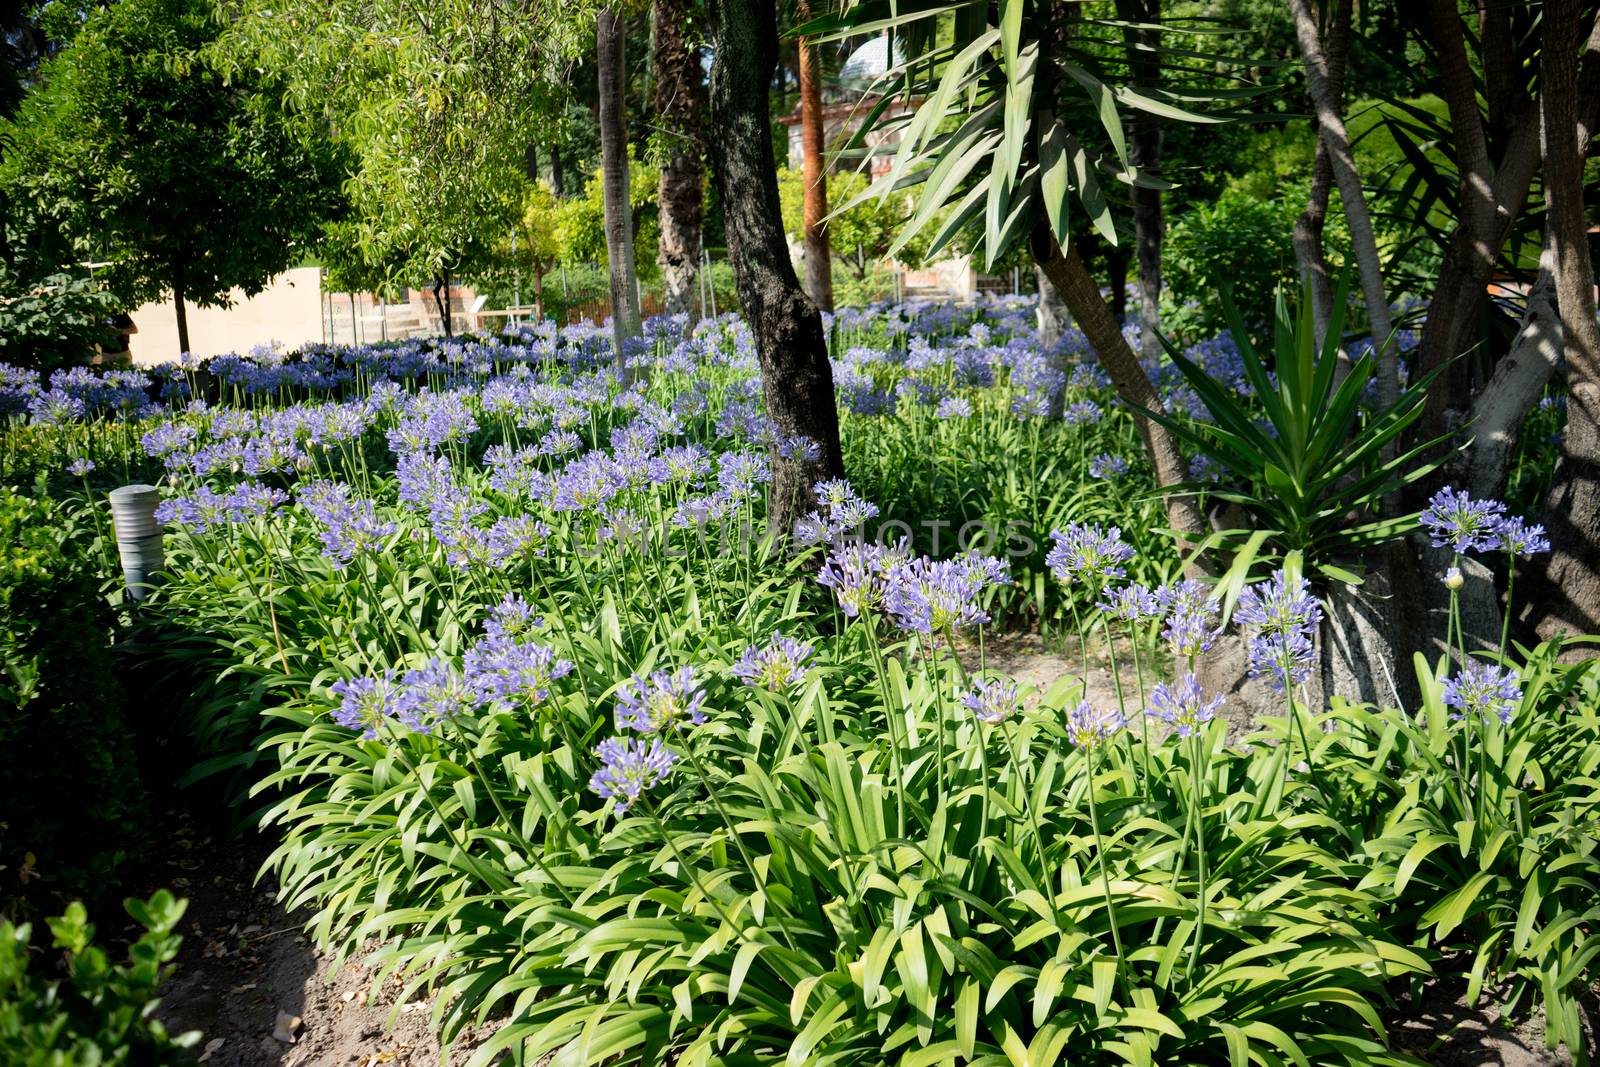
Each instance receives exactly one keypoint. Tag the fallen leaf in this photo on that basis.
(211, 1047)
(286, 1028)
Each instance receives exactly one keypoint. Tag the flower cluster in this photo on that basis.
(660, 702)
(1088, 554)
(630, 767)
(992, 700)
(1484, 691)
(1281, 617)
(1183, 704)
(776, 666)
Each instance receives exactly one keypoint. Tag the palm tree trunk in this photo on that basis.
(679, 101)
(797, 380)
(1567, 593)
(1082, 296)
(1309, 227)
(610, 42)
(819, 260)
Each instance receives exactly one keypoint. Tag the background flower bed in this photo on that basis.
(848, 869)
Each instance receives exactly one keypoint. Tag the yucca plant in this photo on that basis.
(1305, 456)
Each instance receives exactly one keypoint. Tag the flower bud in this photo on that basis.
(1453, 579)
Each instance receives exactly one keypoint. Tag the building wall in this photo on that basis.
(288, 310)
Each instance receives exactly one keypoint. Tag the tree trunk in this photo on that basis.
(1566, 597)
(610, 43)
(183, 314)
(679, 101)
(1052, 313)
(1363, 243)
(819, 256)
(1308, 228)
(556, 175)
(1141, 46)
(797, 380)
(441, 300)
(1082, 296)
(1117, 259)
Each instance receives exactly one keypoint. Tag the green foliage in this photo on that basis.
(861, 232)
(583, 219)
(1488, 836)
(436, 113)
(99, 1014)
(54, 322)
(138, 151)
(1021, 121)
(1306, 461)
(74, 807)
(1239, 244)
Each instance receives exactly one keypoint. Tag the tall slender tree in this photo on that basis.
(680, 105)
(797, 380)
(1142, 42)
(611, 59)
(818, 254)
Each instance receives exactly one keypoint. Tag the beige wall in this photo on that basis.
(288, 310)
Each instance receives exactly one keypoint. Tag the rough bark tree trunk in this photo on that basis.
(1363, 243)
(679, 102)
(814, 172)
(1140, 45)
(610, 53)
(1082, 297)
(797, 380)
(1566, 597)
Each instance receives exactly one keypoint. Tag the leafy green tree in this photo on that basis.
(136, 150)
(437, 112)
(862, 231)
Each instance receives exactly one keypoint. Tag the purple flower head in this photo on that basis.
(629, 767)
(365, 703)
(933, 597)
(1284, 659)
(1105, 466)
(1081, 412)
(652, 705)
(1183, 704)
(983, 571)
(1131, 603)
(857, 575)
(776, 666)
(1088, 729)
(953, 407)
(80, 468)
(1279, 605)
(1464, 524)
(350, 527)
(1086, 553)
(504, 671)
(1520, 539)
(433, 693)
(992, 700)
(513, 619)
(515, 537)
(1484, 690)
(799, 448)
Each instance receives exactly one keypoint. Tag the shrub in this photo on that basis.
(1240, 242)
(100, 1012)
(74, 807)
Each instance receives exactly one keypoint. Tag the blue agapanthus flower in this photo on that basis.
(1183, 704)
(1521, 539)
(776, 666)
(365, 703)
(1086, 553)
(663, 700)
(992, 700)
(1463, 524)
(1088, 728)
(1483, 690)
(629, 768)
(1131, 603)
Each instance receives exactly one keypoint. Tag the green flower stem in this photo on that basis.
(733, 832)
(1100, 854)
(1197, 806)
(1033, 820)
(534, 853)
(895, 750)
(694, 877)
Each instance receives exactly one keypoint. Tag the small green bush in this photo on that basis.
(100, 1013)
(72, 797)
